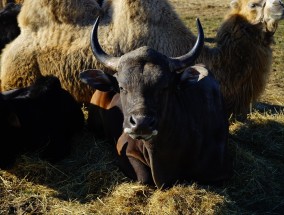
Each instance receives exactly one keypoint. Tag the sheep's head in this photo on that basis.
(269, 12)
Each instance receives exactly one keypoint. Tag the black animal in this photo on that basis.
(100, 2)
(40, 118)
(175, 127)
(9, 24)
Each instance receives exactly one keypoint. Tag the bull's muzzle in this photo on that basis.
(141, 127)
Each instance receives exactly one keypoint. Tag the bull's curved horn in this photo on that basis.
(188, 59)
(107, 60)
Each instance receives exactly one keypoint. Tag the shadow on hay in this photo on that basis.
(257, 186)
(90, 171)
(268, 108)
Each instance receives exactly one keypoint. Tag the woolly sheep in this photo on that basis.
(55, 39)
(242, 57)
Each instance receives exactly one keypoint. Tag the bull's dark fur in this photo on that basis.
(40, 118)
(9, 24)
(174, 123)
(189, 116)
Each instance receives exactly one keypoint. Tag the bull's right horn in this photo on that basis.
(107, 60)
(189, 58)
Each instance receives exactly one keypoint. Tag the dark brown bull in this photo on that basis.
(175, 127)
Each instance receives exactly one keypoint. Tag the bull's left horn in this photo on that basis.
(107, 60)
(188, 59)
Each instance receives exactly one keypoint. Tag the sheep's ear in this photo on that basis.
(99, 80)
(193, 74)
(234, 4)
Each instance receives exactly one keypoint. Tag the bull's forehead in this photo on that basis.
(144, 55)
(143, 65)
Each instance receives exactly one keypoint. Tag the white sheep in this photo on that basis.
(55, 38)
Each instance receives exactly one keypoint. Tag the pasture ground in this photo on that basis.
(88, 181)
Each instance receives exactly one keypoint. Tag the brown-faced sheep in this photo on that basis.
(55, 39)
(242, 58)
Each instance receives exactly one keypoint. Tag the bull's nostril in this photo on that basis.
(132, 121)
(142, 123)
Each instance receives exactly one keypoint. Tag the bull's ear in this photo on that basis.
(193, 74)
(99, 80)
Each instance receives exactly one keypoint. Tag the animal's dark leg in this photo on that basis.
(134, 168)
(143, 172)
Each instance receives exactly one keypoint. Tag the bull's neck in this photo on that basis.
(174, 113)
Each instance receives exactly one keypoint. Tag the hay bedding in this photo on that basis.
(89, 182)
